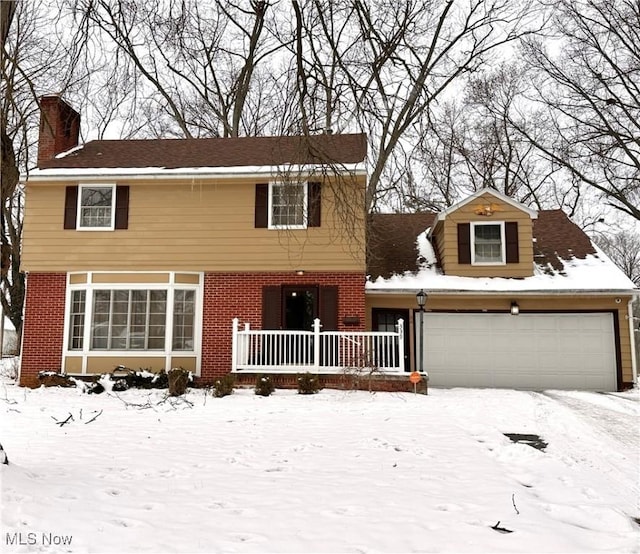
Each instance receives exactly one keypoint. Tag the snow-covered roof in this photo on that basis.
(565, 261)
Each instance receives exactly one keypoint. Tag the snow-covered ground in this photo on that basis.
(335, 472)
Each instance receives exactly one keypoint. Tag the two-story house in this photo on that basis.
(142, 253)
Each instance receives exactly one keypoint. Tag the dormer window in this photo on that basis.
(96, 207)
(488, 243)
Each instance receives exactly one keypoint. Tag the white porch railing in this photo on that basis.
(317, 351)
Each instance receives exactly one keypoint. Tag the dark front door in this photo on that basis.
(386, 319)
(300, 308)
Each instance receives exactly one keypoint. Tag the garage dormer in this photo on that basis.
(487, 234)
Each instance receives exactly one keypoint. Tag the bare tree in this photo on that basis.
(407, 56)
(32, 62)
(197, 61)
(590, 85)
(624, 249)
(470, 143)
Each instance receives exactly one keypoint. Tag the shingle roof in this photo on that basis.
(558, 237)
(215, 152)
(392, 241)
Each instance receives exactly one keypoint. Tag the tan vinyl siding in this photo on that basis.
(549, 303)
(184, 362)
(438, 241)
(78, 278)
(73, 365)
(114, 278)
(447, 239)
(187, 278)
(192, 226)
(106, 364)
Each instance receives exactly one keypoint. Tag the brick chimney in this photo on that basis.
(59, 127)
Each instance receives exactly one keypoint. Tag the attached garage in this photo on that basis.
(526, 351)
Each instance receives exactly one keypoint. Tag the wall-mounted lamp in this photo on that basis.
(515, 309)
(300, 272)
(421, 299)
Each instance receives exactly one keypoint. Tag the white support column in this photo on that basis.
(400, 328)
(632, 336)
(234, 345)
(316, 344)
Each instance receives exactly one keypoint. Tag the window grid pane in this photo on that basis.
(129, 320)
(96, 206)
(183, 319)
(287, 204)
(488, 243)
(76, 325)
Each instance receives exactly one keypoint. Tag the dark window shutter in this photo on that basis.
(272, 307)
(328, 307)
(464, 243)
(122, 207)
(315, 205)
(262, 206)
(511, 239)
(70, 207)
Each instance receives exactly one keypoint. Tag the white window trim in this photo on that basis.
(167, 353)
(503, 246)
(305, 215)
(82, 186)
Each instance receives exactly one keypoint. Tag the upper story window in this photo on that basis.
(288, 205)
(96, 207)
(487, 243)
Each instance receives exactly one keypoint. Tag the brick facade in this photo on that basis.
(229, 295)
(226, 295)
(43, 328)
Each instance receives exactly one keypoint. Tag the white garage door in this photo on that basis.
(527, 351)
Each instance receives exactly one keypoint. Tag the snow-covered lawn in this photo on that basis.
(335, 472)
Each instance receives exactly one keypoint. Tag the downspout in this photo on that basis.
(24, 312)
(634, 362)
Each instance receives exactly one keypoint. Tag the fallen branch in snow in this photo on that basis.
(147, 405)
(63, 422)
(497, 527)
(175, 401)
(513, 501)
(94, 417)
(4, 460)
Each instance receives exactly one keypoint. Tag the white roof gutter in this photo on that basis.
(537, 292)
(153, 173)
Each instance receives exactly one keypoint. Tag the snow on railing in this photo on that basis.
(317, 351)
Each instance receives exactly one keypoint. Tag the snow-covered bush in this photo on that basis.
(224, 386)
(308, 383)
(264, 385)
(178, 381)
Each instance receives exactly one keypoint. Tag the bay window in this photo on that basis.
(129, 320)
(132, 319)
